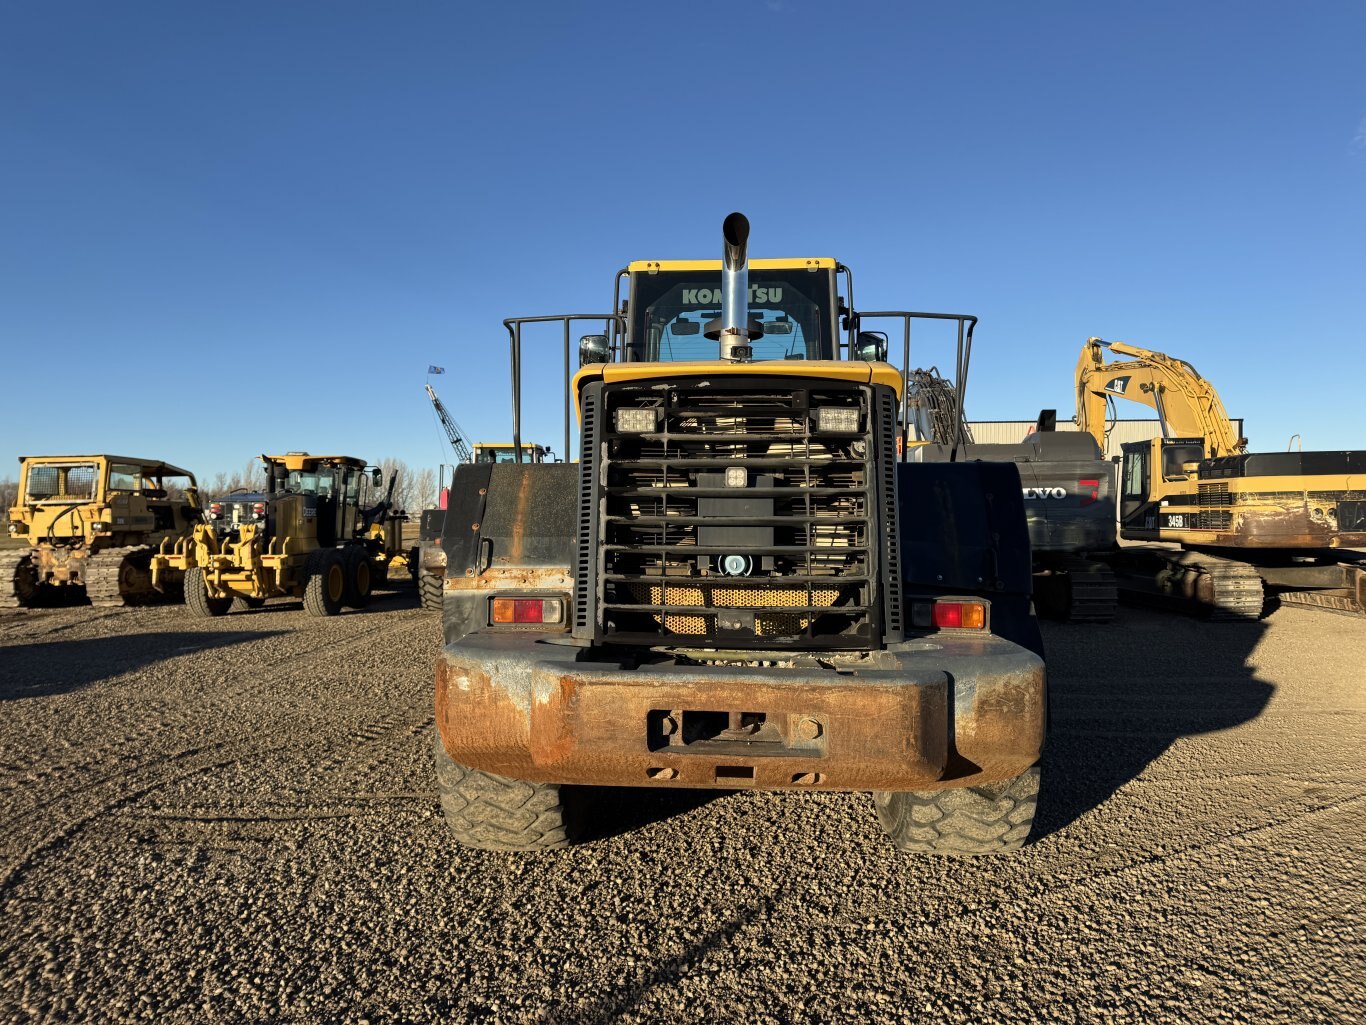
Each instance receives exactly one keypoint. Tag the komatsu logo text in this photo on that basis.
(712, 296)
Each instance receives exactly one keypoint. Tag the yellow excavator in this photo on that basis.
(1247, 523)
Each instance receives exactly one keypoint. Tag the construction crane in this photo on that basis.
(463, 454)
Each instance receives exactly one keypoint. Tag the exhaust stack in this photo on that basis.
(734, 331)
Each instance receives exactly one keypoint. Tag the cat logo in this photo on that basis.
(1118, 385)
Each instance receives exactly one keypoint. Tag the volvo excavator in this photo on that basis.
(1247, 524)
(1068, 489)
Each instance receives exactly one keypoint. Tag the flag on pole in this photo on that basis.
(436, 370)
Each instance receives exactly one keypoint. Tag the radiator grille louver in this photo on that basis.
(803, 525)
(1214, 513)
(586, 569)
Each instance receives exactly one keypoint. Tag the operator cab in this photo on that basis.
(506, 452)
(793, 309)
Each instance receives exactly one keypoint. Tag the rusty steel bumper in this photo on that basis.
(923, 715)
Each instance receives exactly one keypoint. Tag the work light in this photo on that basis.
(635, 421)
(837, 419)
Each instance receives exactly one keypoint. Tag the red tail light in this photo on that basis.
(969, 615)
(512, 611)
(216, 510)
(259, 510)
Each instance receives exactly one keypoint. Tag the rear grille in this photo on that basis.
(1214, 512)
(787, 556)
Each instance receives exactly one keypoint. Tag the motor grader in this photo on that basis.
(319, 531)
(92, 524)
(738, 585)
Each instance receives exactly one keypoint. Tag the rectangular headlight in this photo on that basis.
(837, 419)
(635, 421)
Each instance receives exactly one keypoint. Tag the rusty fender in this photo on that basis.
(956, 713)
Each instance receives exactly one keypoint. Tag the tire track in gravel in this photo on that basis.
(1051, 889)
(240, 688)
(67, 812)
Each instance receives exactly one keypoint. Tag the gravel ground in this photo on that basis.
(235, 821)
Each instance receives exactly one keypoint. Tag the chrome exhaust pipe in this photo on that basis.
(735, 334)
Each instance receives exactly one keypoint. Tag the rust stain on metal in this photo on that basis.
(525, 578)
(507, 713)
(517, 539)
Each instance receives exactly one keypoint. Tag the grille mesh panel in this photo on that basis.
(683, 554)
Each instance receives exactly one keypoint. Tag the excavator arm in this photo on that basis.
(1186, 404)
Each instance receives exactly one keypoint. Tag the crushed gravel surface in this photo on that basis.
(234, 820)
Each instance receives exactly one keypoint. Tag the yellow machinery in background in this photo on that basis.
(93, 524)
(319, 530)
(1246, 522)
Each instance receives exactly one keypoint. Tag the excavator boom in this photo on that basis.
(1186, 404)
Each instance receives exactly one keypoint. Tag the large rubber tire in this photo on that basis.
(325, 589)
(201, 604)
(429, 590)
(359, 576)
(989, 819)
(494, 813)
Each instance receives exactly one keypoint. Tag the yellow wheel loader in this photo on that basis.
(93, 524)
(1247, 523)
(738, 584)
(320, 531)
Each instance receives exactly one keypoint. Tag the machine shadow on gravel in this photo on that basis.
(615, 811)
(1121, 696)
(59, 667)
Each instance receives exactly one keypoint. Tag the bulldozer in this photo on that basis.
(1248, 524)
(315, 532)
(93, 524)
(738, 584)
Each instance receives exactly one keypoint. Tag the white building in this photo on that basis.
(1010, 432)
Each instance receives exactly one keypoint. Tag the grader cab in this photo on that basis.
(739, 584)
(92, 524)
(319, 530)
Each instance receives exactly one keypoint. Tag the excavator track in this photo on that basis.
(119, 576)
(1094, 593)
(20, 586)
(1192, 582)
(1339, 603)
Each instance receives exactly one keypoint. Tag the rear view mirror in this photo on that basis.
(872, 347)
(685, 327)
(376, 476)
(781, 326)
(593, 349)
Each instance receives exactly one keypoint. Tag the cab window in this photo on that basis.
(672, 310)
(123, 477)
(70, 481)
(1136, 473)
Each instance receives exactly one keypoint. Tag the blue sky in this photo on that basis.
(240, 227)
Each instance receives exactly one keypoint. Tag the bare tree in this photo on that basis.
(9, 493)
(424, 491)
(251, 477)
